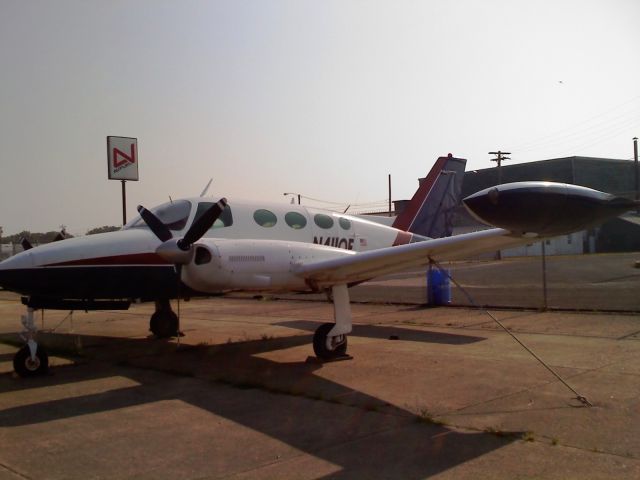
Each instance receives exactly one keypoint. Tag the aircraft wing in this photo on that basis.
(524, 212)
(367, 265)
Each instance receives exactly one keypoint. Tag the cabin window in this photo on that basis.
(224, 220)
(345, 223)
(174, 215)
(265, 218)
(323, 221)
(295, 220)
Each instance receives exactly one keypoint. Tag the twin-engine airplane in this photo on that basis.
(198, 246)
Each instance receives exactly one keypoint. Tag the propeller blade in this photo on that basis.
(202, 224)
(26, 244)
(157, 227)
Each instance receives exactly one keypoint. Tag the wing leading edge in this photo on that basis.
(366, 265)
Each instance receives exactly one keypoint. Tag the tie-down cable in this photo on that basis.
(581, 398)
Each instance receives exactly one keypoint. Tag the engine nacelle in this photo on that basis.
(260, 265)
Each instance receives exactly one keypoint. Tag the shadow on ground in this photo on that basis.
(363, 436)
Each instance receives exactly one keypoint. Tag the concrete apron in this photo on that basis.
(451, 396)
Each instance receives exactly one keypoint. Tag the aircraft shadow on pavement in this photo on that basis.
(363, 436)
(6, 357)
(382, 332)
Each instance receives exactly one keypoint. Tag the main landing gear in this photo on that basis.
(164, 322)
(32, 359)
(330, 340)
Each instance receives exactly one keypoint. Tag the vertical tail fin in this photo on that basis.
(430, 211)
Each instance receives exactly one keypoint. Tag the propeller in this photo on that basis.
(178, 251)
(26, 244)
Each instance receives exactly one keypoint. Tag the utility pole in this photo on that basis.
(635, 164)
(389, 194)
(500, 156)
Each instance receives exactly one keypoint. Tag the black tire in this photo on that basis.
(164, 324)
(320, 344)
(25, 367)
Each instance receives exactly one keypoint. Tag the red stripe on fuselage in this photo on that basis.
(403, 238)
(132, 259)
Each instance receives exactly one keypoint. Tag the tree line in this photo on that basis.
(47, 237)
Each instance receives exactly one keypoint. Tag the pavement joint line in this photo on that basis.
(548, 438)
(626, 337)
(473, 327)
(261, 387)
(584, 371)
(578, 372)
(15, 472)
(185, 317)
(460, 411)
(455, 412)
(596, 450)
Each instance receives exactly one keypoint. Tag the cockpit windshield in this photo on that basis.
(174, 215)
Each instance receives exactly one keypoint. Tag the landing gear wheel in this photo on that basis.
(328, 348)
(25, 366)
(164, 324)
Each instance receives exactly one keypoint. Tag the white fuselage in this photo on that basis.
(341, 231)
(254, 246)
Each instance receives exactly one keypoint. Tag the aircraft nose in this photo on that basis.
(19, 260)
(12, 270)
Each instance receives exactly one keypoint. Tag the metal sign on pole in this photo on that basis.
(389, 194)
(122, 163)
(635, 169)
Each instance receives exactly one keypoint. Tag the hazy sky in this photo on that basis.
(324, 98)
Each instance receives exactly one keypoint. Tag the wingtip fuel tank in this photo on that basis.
(544, 208)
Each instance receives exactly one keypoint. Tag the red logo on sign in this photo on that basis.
(131, 158)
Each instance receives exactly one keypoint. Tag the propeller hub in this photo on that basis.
(173, 253)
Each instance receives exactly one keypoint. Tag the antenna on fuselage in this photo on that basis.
(204, 192)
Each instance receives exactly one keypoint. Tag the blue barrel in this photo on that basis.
(438, 287)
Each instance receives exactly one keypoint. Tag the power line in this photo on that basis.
(628, 117)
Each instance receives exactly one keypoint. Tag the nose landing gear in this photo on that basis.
(27, 365)
(164, 322)
(32, 359)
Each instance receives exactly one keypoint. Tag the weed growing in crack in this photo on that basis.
(528, 437)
